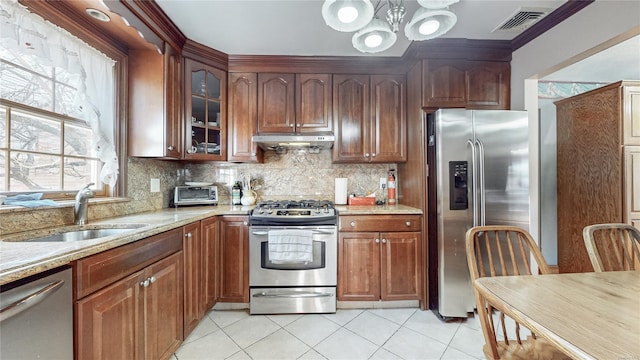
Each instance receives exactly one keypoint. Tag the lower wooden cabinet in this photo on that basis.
(139, 315)
(199, 248)
(379, 258)
(233, 259)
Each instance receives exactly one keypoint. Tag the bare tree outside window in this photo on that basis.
(42, 147)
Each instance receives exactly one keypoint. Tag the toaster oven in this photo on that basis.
(195, 195)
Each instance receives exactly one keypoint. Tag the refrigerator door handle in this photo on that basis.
(481, 184)
(474, 183)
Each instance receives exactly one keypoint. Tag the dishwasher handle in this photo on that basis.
(29, 301)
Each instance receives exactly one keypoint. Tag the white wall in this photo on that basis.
(597, 23)
(594, 28)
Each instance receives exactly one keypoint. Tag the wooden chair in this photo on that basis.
(612, 247)
(502, 251)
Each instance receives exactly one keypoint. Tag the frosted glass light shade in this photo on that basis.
(436, 4)
(446, 18)
(375, 37)
(347, 15)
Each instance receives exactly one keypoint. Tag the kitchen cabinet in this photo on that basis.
(129, 300)
(243, 118)
(292, 103)
(205, 111)
(192, 250)
(598, 166)
(466, 84)
(199, 249)
(369, 114)
(379, 257)
(233, 259)
(155, 104)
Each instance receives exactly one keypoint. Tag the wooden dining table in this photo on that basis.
(585, 315)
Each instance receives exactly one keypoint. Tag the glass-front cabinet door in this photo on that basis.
(205, 111)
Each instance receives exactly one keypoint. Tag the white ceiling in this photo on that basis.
(296, 27)
(618, 62)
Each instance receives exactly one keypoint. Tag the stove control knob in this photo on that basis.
(317, 210)
(270, 211)
(261, 211)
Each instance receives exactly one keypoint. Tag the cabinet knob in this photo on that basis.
(298, 125)
(170, 147)
(366, 155)
(152, 279)
(373, 155)
(245, 223)
(384, 241)
(377, 241)
(253, 154)
(291, 125)
(353, 224)
(144, 283)
(408, 223)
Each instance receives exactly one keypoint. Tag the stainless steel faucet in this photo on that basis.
(80, 207)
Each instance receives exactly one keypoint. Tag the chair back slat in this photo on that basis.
(500, 251)
(612, 247)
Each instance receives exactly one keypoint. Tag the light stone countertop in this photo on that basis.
(19, 259)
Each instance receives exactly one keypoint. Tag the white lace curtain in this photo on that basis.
(28, 33)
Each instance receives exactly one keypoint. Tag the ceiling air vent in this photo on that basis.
(522, 19)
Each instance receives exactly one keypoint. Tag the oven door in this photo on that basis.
(320, 271)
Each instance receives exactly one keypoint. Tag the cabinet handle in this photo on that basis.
(377, 241)
(291, 125)
(253, 154)
(408, 223)
(298, 125)
(152, 279)
(366, 154)
(353, 224)
(384, 241)
(170, 147)
(245, 223)
(373, 155)
(144, 283)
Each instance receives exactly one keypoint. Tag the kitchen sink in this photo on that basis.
(80, 233)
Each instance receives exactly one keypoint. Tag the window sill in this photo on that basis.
(63, 204)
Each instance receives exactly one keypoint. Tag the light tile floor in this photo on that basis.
(348, 334)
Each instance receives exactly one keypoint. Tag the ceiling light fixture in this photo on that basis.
(98, 15)
(374, 35)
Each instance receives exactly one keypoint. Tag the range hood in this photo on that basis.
(280, 141)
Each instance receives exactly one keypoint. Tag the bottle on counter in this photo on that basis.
(236, 193)
(391, 187)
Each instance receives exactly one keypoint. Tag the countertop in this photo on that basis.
(20, 259)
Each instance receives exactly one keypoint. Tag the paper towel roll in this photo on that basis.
(341, 191)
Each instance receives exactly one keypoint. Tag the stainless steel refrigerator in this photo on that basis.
(481, 178)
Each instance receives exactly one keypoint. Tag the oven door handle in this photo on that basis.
(314, 231)
(293, 295)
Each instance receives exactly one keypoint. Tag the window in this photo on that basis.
(56, 110)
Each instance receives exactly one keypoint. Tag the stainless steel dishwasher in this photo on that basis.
(36, 317)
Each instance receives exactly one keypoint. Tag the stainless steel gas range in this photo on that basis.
(293, 250)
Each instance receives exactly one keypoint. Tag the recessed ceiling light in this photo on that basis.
(98, 15)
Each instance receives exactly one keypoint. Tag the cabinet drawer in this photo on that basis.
(100, 270)
(380, 223)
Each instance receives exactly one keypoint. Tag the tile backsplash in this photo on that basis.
(294, 175)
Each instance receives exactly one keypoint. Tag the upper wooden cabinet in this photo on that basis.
(369, 114)
(243, 117)
(155, 104)
(289, 103)
(466, 84)
(205, 111)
